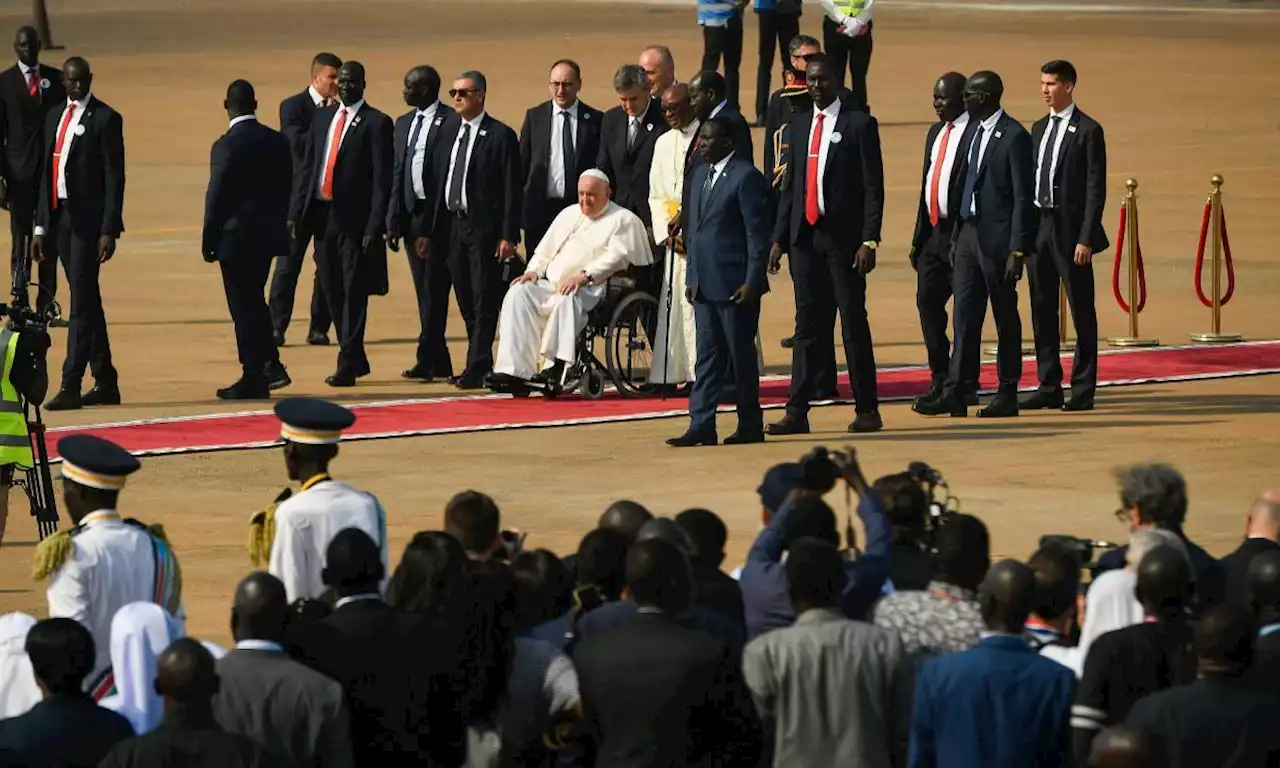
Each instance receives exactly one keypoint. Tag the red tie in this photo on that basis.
(57, 150)
(811, 174)
(33, 85)
(937, 176)
(326, 184)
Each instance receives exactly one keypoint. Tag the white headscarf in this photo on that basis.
(18, 689)
(139, 634)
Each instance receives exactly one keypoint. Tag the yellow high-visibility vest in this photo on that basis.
(850, 7)
(15, 440)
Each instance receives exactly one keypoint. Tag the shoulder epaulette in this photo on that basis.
(156, 530)
(52, 552)
(262, 529)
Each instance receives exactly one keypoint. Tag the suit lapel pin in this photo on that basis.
(356, 121)
(80, 127)
(1071, 129)
(998, 134)
(439, 120)
(836, 137)
(648, 126)
(44, 83)
(483, 132)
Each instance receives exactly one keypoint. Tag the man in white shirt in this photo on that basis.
(675, 354)
(546, 308)
(105, 562)
(307, 521)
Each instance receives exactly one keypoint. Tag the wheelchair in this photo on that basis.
(624, 321)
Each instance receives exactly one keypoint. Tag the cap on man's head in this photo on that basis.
(778, 482)
(312, 421)
(93, 462)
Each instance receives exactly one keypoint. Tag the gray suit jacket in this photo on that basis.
(285, 706)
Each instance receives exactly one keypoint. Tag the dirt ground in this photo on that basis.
(1182, 96)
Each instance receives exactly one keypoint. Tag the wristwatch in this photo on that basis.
(588, 276)
(872, 244)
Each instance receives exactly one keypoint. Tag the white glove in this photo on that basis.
(853, 28)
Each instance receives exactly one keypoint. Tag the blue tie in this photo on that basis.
(410, 196)
(971, 175)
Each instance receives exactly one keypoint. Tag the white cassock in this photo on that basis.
(538, 325)
(139, 634)
(305, 524)
(111, 564)
(18, 689)
(673, 361)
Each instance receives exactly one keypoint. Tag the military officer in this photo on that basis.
(106, 561)
(297, 529)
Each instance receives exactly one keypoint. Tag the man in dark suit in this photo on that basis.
(79, 217)
(690, 706)
(627, 135)
(559, 140)
(29, 90)
(67, 728)
(997, 225)
(829, 216)
(1071, 193)
(267, 696)
(394, 667)
(936, 225)
(477, 220)
(1262, 535)
(245, 209)
(707, 94)
(726, 236)
(342, 200)
(296, 115)
(1263, 599)
(410, 210)
(1000, 703)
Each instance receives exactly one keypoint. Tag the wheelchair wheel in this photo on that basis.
(629, 344)
(592, 386)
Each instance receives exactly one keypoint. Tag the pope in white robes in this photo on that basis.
(546, 308)
(675, 351)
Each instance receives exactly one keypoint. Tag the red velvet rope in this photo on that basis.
(1226, 254)
(1115, 269)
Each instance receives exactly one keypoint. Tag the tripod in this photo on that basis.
(37, 482)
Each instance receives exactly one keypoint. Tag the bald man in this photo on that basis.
(261, 686)
(546, 308)
(660, 66)
(189, 736)
(999, 703)
(1261, 535)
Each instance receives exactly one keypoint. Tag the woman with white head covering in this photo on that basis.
(139, 634)
(1111, 602)
(18, 689)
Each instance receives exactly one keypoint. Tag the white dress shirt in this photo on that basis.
(716, 172)
(306, 523)
(241, 119)
(557, 184)
(26, 75)
(315, 95)
(948, 165)
(719, 108)
(352, 111)
(988, 130)
(427, 118)
(453, 158)
(832, 112)
(1064, 119)
(72, 132)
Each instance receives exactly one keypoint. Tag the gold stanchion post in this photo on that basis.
(1216, 336)
(1130, 247)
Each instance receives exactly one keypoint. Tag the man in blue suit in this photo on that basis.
(245, 209)
(726, 237)
(1001, 704)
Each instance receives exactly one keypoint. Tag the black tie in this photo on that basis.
(1046, 165)
(410, 195)
(459, 169)
(567, 151)
(971, 175)
(706, 189)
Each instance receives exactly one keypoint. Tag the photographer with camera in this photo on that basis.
(25, 380)
(765, 589)
(907, 505)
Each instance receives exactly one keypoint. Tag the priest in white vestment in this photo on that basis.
(546, 308)
(675, 351)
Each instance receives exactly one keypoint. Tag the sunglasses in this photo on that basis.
(463, 93)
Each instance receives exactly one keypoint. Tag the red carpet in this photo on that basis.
(476, 413)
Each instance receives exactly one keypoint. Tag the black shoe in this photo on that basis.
(277, 376)
(744, 438)
(971, 398)
(866, 422)
(788, 342)
(935, 392)
(789, 425)
(278, 338)
(341, 380)
(1078, 404)
(1039, 401)
(690, 439)
(552, 375)
(58, 321)
(66, 400)
(318, 339)
(244, 389)
(102, 395)
(466, 382)
(419, 373)
(1004, 405)
(942, 405)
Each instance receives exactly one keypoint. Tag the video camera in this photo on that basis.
(942, 503)
(38, 481)
(1084, 549)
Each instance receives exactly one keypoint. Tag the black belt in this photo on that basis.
(1048, 211)
(458, 214)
